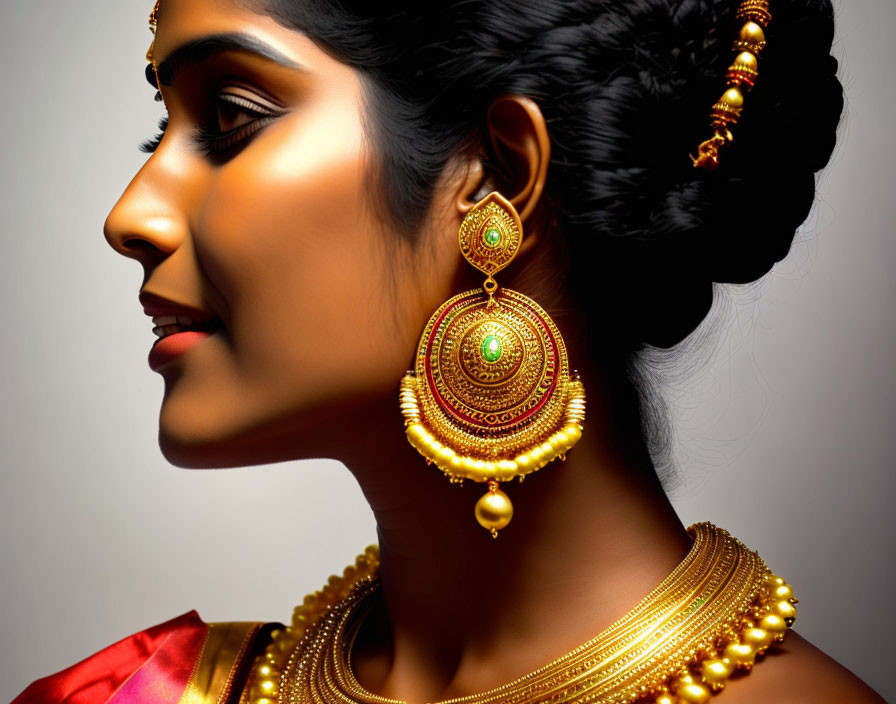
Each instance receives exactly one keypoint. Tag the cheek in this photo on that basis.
(288, 240)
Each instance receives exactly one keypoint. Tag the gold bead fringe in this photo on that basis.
(459, 467)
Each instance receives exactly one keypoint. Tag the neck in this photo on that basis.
(590, 536)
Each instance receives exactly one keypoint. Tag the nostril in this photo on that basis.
(141, 225)
(138, 245)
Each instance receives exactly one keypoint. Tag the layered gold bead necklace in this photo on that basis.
(715, 613)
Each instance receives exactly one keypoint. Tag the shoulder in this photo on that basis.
(796, 672)
(168, 656)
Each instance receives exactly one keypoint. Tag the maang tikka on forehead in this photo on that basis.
(150, 53)
(153, 25)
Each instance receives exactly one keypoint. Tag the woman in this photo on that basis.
(298, 225)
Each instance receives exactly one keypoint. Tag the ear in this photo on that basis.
(522, 149)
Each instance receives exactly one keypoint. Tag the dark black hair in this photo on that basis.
(626, 89)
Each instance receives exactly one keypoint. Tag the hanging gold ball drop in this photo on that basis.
(494, 510)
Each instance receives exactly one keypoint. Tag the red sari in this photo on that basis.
(181, 661)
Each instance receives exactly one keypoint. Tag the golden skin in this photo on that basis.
(322, 307)
(263, 270)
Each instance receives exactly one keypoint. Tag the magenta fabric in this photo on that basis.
(152, 666)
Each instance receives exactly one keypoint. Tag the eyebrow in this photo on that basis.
(201, 48)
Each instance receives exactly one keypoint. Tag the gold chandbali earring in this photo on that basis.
(490, 397)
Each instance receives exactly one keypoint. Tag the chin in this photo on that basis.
(187, 458)
(208, 441)
(199, 431)
(195, 452)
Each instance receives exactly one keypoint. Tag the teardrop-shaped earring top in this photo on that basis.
(491, 397)
(491, 234)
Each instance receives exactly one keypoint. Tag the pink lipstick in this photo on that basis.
(179, 328)
(173, 346)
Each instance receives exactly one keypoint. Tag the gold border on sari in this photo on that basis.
(219, 660)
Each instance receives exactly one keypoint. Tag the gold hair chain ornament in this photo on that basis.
(717, 611)
(741, 76)
(491, 397)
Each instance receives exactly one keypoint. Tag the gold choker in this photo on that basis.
(716, 612)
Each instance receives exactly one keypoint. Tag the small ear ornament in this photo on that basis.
(491, 397)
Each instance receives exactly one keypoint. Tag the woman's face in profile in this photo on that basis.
(253, 210)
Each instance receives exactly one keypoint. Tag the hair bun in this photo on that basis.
(626, 89)
(675, 229)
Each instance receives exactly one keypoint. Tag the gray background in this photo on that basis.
(784, 437)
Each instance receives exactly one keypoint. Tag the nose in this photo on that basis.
(146, 223)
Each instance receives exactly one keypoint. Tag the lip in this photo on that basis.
(154, 305)
(171, 347)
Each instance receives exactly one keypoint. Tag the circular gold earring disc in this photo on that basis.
(493, 378)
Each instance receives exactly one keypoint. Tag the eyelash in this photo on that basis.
(211, 141)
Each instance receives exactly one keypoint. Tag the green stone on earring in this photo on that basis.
(492, 237)
(491, 348)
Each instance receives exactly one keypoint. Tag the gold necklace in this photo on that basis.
(718, 610)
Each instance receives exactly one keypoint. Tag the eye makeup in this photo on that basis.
(230, 109)
(245, 117)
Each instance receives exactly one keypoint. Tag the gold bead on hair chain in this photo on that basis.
(741, 76)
